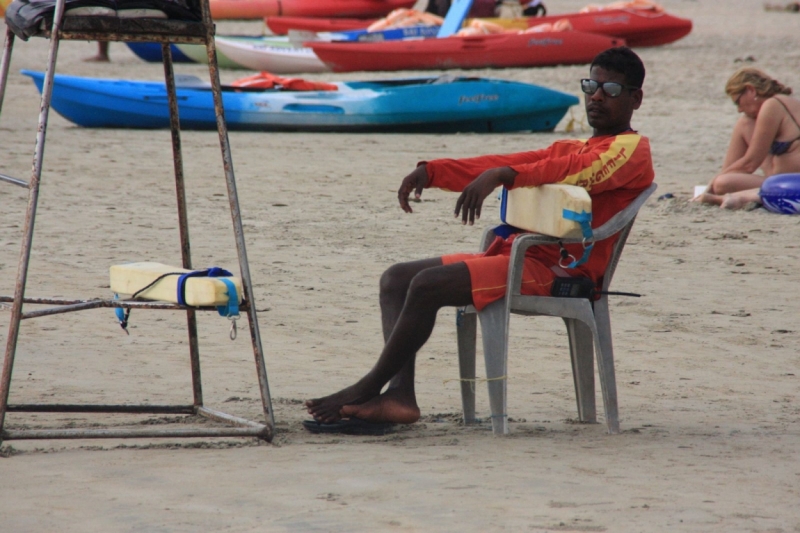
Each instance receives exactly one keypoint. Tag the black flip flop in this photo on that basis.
(350, 426)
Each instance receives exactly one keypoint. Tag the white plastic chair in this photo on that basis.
(588, 325)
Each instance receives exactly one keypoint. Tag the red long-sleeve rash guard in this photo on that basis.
(614, 169)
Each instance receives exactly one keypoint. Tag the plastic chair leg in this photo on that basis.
(466, 332)
(494, 328)
(581, 348)
(605, 365)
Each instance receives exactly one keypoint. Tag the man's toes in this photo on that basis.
(317, 413)
(327, 418)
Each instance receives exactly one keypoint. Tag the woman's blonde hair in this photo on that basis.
(763, 84)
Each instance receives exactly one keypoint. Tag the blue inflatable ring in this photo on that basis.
(781, 194)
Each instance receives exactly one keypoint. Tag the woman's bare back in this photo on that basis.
(789, 131)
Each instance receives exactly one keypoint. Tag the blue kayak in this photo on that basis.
(151, 52)
(429, 104)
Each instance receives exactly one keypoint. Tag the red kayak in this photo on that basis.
(282, 25)
(639, 27)
(483, 51)
(258, 9)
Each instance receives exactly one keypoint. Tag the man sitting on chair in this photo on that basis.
(614, 166)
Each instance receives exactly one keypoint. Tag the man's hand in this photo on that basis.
(471, 199)
(416, 181)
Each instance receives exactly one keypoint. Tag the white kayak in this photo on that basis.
(273, 54)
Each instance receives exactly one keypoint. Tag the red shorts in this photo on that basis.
(488, 273)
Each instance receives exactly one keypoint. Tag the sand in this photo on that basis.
(707, 362)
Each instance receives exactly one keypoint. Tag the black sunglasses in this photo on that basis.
(611, 89)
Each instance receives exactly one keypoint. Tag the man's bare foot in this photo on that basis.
(328, 409)
(392, 406)
(98, 59)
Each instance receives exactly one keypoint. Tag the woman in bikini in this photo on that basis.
(766, 137)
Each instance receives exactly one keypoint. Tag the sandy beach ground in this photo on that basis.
(707, 363)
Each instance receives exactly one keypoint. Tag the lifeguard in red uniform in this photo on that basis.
(614, 166)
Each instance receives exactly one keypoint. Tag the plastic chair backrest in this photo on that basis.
(618, 221)
(621, 224)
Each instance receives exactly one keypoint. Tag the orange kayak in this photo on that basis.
(258, 9)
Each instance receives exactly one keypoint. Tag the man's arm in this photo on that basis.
(456, 175)
(598, 166)
(615, 162)
(471, 199)
(416, 181)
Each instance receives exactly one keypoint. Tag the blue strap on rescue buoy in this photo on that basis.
(584, 219)
(231, 309)
(213, 272)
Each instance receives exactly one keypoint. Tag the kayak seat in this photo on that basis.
(267, 80)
